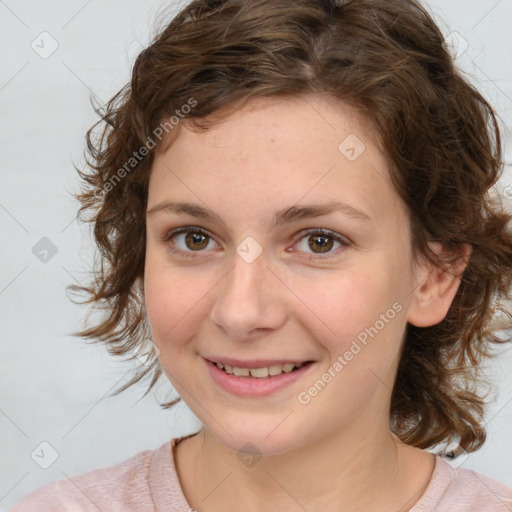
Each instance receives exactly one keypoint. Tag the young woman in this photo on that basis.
(292, 201)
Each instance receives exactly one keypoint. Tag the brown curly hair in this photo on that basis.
(387, 59)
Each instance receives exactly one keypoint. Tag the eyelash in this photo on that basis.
(315, 231)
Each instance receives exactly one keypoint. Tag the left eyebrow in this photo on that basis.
(283, 216)
(310, 211)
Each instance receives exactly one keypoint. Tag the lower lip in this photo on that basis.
(253, 386)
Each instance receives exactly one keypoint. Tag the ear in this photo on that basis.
(435, 289)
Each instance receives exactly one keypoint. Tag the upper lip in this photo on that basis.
(255, 363)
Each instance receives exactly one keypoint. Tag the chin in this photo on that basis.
(258, 438)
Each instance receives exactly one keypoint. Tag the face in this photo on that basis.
(322, 283)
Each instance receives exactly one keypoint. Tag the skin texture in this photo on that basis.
(292, 302)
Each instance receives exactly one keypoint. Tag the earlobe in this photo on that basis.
(436, 288)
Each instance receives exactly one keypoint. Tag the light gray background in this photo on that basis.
(54, 386)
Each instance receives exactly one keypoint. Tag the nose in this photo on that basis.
(250, 299)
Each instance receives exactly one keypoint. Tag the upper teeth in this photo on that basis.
(261, 373)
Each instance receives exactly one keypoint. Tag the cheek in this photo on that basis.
(343, 304)
(361, 326)
(359, 317)
(173, 303)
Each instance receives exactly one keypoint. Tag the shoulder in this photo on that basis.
(457, 489)
(120, 487)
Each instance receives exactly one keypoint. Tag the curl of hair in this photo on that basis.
(386, 59)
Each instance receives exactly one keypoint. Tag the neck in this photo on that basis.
(346, 471)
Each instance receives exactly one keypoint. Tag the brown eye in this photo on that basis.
(324, 243)
(321, 241)
(189, 240)
(186, 241)
(196, 241)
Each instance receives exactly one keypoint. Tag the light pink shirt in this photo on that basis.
(147, 482)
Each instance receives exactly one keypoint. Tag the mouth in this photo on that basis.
(253, 380)
(257, 369)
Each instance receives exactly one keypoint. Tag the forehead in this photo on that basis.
(279, 151)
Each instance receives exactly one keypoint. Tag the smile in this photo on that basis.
(256, 382)
(259, 373)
